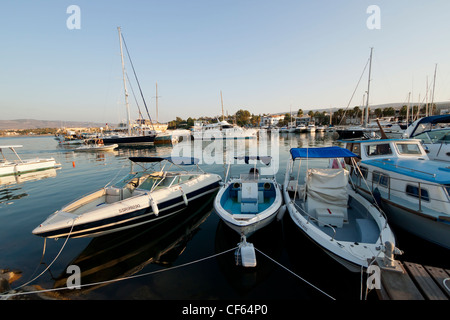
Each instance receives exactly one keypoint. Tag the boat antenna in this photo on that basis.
(137, 80)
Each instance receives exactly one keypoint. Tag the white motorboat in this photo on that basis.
(329, 212)
(221, 130)
(140, 197)
(413, 190)
(92, 147)
(301, 128)
(311, 127)
(251, 201)
(20, 166)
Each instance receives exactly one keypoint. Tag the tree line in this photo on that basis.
(244, 118)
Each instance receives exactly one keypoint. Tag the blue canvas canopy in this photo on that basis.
(325, 152)
(176, 160)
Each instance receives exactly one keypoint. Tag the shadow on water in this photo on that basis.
(126, 253)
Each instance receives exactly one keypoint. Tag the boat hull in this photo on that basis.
(247, 224)
(133, 213)
(428, 228)
(26, 166)
(127, 140)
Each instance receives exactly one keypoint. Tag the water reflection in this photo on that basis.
(245, 280)
(10, 188)
(126, 253)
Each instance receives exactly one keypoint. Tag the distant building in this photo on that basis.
(270, 120)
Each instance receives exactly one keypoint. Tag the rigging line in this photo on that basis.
(354, 91)
(135, 75)
(124, 278)
(295, 274)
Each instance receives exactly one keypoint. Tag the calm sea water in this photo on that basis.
(155, 260)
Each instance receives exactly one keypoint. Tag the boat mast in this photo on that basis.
(125, 84)
(221, 99)
(157, 102)
(366, 121)
(434, 82)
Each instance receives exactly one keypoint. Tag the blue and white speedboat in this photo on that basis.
(250, 201)
(154, 193)
(347, 226)
(413, 190)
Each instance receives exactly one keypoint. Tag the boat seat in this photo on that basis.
(249, 197)
(113, 194)
(368, 230)
(331, 216)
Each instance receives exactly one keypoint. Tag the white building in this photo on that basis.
(268, 121)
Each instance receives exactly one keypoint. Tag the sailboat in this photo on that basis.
(361, 131)
(134, 134)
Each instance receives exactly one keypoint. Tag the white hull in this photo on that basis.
(113, 209)
(17, 167)
(248, 223)
(352, 256)
(97, 148)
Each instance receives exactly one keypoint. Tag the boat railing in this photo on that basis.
(309, 218)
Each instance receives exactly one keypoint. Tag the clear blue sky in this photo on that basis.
(266, 56)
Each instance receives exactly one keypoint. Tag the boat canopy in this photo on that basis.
(264, 159)
(413, 128)
(325, 152)
(175, 160)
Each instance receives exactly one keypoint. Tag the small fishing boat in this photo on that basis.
(412, 189)
(329, 212)
(156, 192)
(20, 166)
(251, 201)
(96, 145)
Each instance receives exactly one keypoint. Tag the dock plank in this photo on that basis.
(399, 286)
(424, 281)
(439, 275)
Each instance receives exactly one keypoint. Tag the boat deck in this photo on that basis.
(361, 227)
(233, 206)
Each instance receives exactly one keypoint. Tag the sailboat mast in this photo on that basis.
(366, 121)
(125, 84)
(221, 99)
(434, 83)
(156, 102)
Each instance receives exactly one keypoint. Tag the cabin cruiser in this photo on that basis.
(413, 190)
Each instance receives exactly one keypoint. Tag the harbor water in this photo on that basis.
(187, 257)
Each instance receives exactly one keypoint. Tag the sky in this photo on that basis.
(265, 56)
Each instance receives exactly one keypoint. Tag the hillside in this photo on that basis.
(19, 124)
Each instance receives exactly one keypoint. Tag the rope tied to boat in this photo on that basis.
(40, 262)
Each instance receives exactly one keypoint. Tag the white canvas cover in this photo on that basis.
(326, 188)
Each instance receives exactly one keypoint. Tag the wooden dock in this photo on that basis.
(416, 282)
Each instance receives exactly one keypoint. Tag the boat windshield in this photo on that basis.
(435, 136)
(381, 149)
(408, 148)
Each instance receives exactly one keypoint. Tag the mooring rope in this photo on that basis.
(40, 262)
(6, 296)
(307, 282)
